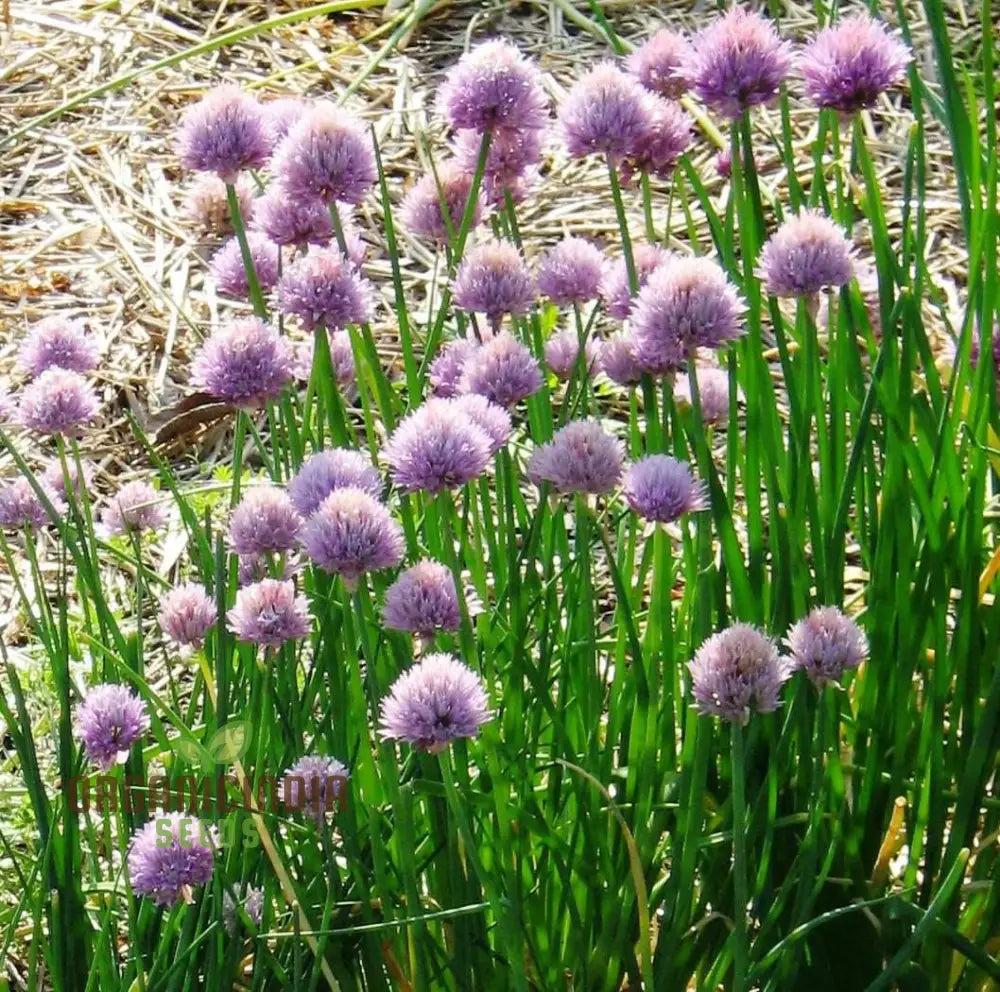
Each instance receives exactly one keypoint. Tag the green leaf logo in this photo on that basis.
(228, 744)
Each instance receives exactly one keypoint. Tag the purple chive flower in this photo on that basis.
(206, 206)
(616, 359)
(687, 303)
(503, 370)
(282, 114)
(807, 253)
(20, 505)
(737, 671)
(287, 221)
(224, 133)
(58, 342)
(737, 62)
(326, 471)
(492, 88)
(254, 568)
(57, 402)
(135, 508)
(662, 489)
(445, 372)
(245, 363)
(315, 785)
(436, 447)
(251, 900)
(581, 458)
(55, 478)
(571, 272)
(187, 613)
(327, 154)
(109, 721)
(615, 290)
(352, 533)
(423, 600)
(846, 66)
(493, 279)
(170, 854)
(824, 644)
(435, 702)
(562, 353)
(494, 421)
(421, 211)
(342, 360)
(269, 613)
(724, 163)
(323, 289)
(264, 522)
(606, 112)
(657, 61)
(228, 270)
(713, 393)
(510, 161)
(662, 144)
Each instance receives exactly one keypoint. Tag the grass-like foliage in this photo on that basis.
(646, 636)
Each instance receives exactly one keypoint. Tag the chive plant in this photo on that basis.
(665, 666)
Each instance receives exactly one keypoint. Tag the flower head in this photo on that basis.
(323, 289)
(713, 393)
(136, 507)
(109, 721)
(423, 600)
(687, 303)
(846, 66)
(562, 353)
(616, 359)
(336, 468)
(314, 785)
(327, 154)
(510, 160)
(436, 701)
(264, 522)
(206, 205)
(269, 613)
(58, 342)
(657, 61)
(662, 143)
(187, 614)
(494, 421)
(289, 221)
(503, 370)
(57, 402)
(825, 643)
(230, 274)
(282, 114)
(724, 163)
(581, 458)
(662, 489)
(77, 475)
(421, 211)
(493, 87)
(615, 289)
(20, 505)
(571, 272)
(436, 447)
(736, 671)
(165, 871)
(245, 363)
(606, 112)
(493, 279)
(254, 568)
(352, 533)
(252, 901)
(224, 133)
(807, 253)
(445, 372)
(736, 62)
